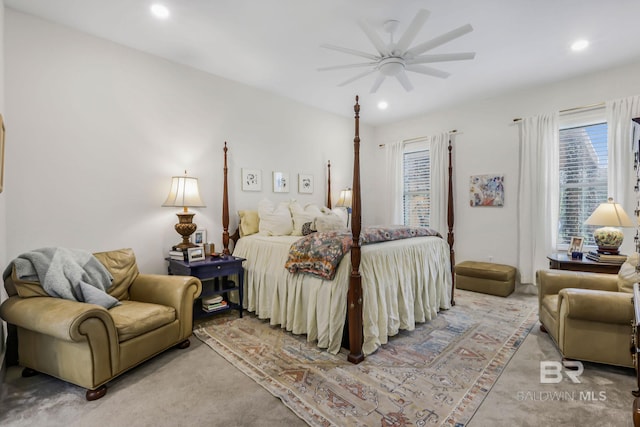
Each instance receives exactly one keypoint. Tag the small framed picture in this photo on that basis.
(199, 237)
(251, 180)
(305, 183)
(281, 182)
(195, 254)
(575, 245)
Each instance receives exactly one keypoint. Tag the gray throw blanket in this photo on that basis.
(71, 274)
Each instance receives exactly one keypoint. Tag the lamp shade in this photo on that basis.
(184, 192)
(344, 201)
(609, 215)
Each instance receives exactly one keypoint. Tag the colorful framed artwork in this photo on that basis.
(251, 180)
(486, 190)
(305, 183)
(281, 182)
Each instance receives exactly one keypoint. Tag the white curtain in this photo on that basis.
(619, 136)
(394, 180)
(439, 166)
(538, 193)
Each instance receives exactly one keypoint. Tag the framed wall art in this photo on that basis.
(251, 180)
(281, 182)
(486, 190)
(305, 183)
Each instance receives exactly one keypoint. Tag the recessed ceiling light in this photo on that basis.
(579, 45)
(383, 105)
(160, 11)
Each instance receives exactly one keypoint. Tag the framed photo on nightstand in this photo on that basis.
(195, 254)
(575, 245)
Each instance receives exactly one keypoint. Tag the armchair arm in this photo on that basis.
(178, 292)
(60, 318)
(596, 305)
(551, 282)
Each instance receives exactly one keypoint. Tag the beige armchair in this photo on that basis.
(88, 345)
(586, 315)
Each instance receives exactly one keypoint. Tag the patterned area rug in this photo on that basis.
(438, 374)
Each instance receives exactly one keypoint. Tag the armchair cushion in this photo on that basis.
(133, 318)
(122, 265)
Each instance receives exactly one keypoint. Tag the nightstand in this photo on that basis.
(214, 274)
(562, 261)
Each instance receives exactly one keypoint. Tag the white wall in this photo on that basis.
(97, 130)
(3, 208)
(488, 143)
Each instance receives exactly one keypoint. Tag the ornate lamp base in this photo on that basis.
(608, 239)
(185, 228)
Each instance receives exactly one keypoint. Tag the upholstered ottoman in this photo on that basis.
(486, 277)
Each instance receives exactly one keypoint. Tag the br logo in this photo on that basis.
(551, 372)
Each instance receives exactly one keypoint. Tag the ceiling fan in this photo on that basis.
(394, 59)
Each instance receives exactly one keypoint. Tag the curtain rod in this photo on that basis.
(421, 138)
(571, 110)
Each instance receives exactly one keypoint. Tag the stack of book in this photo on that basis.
(179, 255)
(214, 303)
(609, 258)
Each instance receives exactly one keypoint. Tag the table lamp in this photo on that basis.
(344, 201)
(184, 193)
(609, 215)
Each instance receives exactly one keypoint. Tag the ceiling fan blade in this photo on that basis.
(412, 31)
(350, 51)
(441, 57)
(375, 39)
(359, 76)
(428, 71)
(440, 40)
(404, 81)
(377, 83)
(340, 67)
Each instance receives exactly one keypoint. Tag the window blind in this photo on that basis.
(416, 203)
(583, 179)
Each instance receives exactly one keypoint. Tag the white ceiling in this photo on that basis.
(275, 44)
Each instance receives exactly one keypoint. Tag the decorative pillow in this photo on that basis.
(274, 221)
(330, 221)
(628, 275)
(249, 222)
(307, 228)
(302, 216)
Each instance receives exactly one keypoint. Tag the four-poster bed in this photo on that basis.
(397, 292)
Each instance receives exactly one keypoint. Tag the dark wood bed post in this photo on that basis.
(225, 207)
(452, 252)
(329, 184)
(354, 296)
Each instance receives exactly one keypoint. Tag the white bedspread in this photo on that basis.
(403, 282)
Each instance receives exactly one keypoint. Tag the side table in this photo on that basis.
(214, 274)
(562, 261)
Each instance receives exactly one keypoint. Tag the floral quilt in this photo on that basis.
(320, 253)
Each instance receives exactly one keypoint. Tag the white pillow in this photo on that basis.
(627, 275)
(301, 216)
(330, 221)
(274, 221)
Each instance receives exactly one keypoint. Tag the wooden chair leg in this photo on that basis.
(184, 344)
(97, 393)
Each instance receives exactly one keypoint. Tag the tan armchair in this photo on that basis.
(88, 345)
(586, 315)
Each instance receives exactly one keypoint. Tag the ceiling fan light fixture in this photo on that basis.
(382, 105)
(160, 11)
(391, 66)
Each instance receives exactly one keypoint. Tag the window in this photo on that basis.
(416, 204)
(583, 179)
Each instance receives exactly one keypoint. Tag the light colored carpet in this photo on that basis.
(438, 374)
